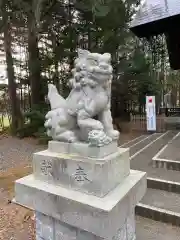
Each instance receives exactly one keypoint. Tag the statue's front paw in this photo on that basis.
(47, 123)
(49, 133)
(67, 136)
(72, 139)
(98, 126)
(114, 134)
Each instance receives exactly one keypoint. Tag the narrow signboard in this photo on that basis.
(151, 113)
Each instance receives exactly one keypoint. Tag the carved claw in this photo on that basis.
(67, 136)
(113, 134)
(72, 140)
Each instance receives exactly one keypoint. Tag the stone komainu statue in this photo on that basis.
(85, 115)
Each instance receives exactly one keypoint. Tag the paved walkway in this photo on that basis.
(171, 151)
(142, 151)
(147, 229)
(142, 156)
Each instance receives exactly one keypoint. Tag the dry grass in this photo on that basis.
(15, 221)
(8, 178)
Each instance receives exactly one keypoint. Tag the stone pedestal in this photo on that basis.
(82, 193)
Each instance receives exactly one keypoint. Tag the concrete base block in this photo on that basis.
(91, 176)
(77, 215)
(82, 149)
(48, 228)
(80, 192)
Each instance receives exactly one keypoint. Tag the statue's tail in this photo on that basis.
(55, 99)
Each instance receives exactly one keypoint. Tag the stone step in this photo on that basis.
(158, 178)
(163, 174)
(167, 164)
(163, 184)
(161, 206)
(147, 229)
(168, 157)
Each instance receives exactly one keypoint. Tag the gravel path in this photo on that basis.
(14, 152)
(15, 156)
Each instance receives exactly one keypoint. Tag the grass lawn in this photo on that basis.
(4, 122)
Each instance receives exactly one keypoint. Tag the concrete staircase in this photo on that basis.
(158, 155)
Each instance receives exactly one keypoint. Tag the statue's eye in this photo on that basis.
(104, 65)
(93, 62)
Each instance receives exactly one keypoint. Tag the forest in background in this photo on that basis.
(40, 39)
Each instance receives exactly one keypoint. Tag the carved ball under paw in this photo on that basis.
(98, 138)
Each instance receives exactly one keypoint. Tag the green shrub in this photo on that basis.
(34, 123)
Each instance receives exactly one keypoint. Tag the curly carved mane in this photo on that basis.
(92, 69)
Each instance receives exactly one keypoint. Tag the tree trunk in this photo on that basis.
(34, 65)
(89, 35)
(72, 47)
(179, 91)
(15, 107)
(56, 62)
(56, 65)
